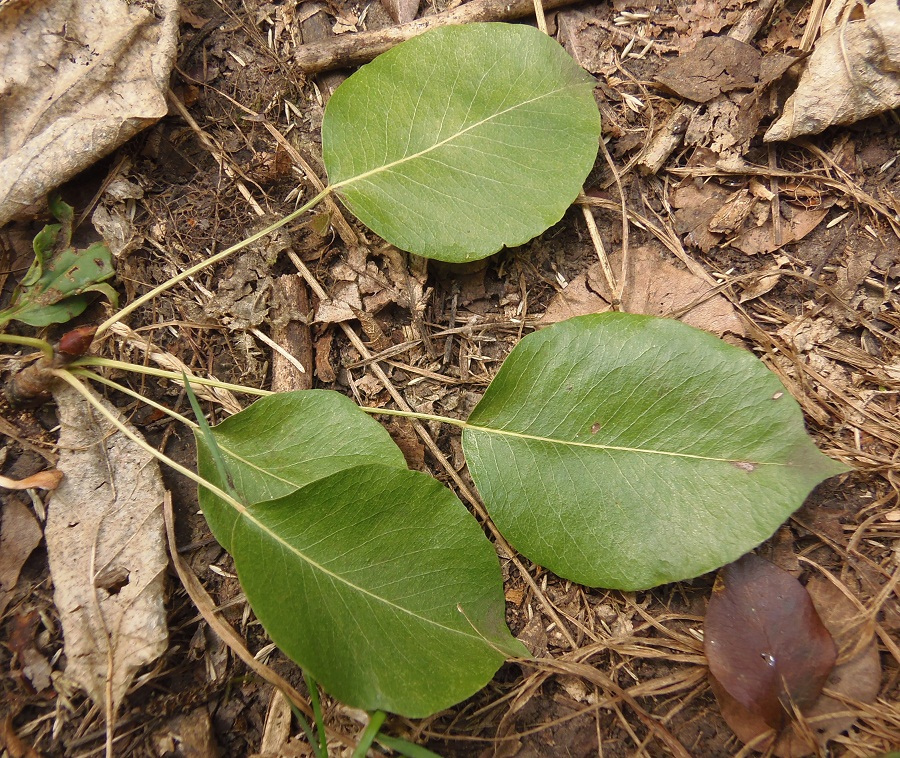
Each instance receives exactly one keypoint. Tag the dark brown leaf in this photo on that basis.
(715, 65)
(766, 645)
(856, 677)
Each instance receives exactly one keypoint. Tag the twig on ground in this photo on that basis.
(354, 49)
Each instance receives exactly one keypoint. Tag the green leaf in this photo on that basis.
(381, 585)
(462, 140)
(283, 442)
(627, 451)
(54, 290)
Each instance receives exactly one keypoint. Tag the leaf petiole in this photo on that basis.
(15, 339)
(123, 312)
(100, 408)
(93, 361)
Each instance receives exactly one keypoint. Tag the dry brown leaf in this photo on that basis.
(20, 534)
(107, 550)
(401, 10)
(91, 76)
(715, 65)
(761, 239)
(695, 206)
(853, 73)
(42, 480)
(766, 282)
(653, 287)
(577, 299)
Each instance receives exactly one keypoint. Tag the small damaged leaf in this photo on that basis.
(56, 287)
(766, 644)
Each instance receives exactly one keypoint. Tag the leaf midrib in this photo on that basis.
(614, 448)
(457, 135)
(248, 516)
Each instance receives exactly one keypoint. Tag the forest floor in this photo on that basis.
(792, 247)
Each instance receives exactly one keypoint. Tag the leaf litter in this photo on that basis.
(642, 659)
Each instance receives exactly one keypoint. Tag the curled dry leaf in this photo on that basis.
(106, 545)
(42, 480)
(770, 654)
(853, 73)
(71, 98)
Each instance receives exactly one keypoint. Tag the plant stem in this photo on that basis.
(131, 393)
(104, 411)
(15, 339)
(316, 704)
(122, 365)
(122, 313)
(404, 747)
(376, 719)
(412, 414)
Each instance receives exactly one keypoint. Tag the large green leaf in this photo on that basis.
(462, 140)
(381, 585)
(628, 451)
(283, 442)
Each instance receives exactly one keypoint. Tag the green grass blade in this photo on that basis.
(405, 747)
(376, 719)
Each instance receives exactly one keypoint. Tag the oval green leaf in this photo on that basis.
(381, 585)
(462, 140)
(627, 451)
(284, 442)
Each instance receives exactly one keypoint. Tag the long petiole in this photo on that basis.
(110, 363)
(173, 375)
(413, 414)
(69, 379)
(316, 704)
(122, 313)
(15, 339)
(84, 374)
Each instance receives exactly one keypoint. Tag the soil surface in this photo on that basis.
(787, 249)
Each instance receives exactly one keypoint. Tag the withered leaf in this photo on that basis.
(855, 678)
(106, 546)
(20, 534)
(766, 644)
(715, 65)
